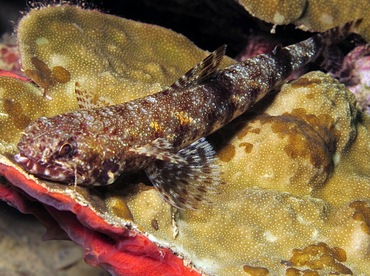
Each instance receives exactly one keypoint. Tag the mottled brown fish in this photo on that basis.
(162, 134)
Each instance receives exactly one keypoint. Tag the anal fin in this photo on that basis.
(184, 179)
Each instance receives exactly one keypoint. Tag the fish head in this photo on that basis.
(62, 149)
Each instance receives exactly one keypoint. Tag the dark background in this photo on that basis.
(207, 23)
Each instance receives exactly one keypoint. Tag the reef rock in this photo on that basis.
(302, 131)
(318, 16)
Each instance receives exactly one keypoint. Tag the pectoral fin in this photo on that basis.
(185, 178)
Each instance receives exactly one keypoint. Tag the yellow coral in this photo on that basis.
(318, 15)
(320, 257)
(323, 14)
(277, 11)
(21, 103)
(306, 142)
(104, 54)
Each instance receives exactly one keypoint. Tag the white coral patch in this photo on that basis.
(278, 18)
(58, 60)
(42, 41)
(327, 19)
(269, 236)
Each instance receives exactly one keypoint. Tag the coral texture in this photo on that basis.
(296, 197)
(319, 15)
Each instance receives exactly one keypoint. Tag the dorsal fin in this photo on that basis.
(206, 68)
(331, 58)
(339, 33)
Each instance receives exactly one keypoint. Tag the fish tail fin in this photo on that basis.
(337, 34)
(331, 58)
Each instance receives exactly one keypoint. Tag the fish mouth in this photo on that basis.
(55, 172)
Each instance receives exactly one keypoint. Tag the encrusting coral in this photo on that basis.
(9, 54)
(277, 12)
(317, 16)
(296, 193)
(303, 129)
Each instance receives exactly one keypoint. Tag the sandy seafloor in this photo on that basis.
(23, 252)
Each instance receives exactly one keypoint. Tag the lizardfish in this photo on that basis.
(163, 134)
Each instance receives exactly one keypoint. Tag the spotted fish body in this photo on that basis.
(162, 133)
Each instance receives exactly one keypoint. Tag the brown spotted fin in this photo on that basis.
(185, 178)
(331, 58)
(202, 71)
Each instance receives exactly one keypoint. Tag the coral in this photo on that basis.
(319, 15)
(357, 65)
(59, 68)
(21, 103)
(258, 44)
(308, 138)
(26, 252)
(296, 192)
(277, 12)
(107, 239)
(319, 257)
(100, 53)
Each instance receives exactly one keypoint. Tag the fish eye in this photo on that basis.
(65, 150)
